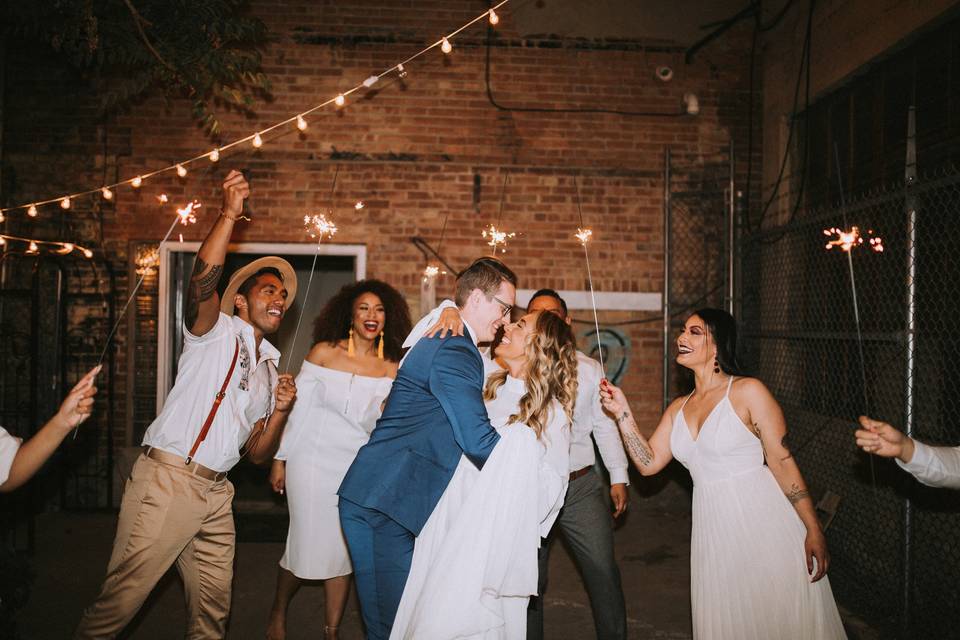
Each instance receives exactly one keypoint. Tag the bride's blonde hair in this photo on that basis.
(551, 372)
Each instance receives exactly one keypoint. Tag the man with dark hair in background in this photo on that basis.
(228, 401)
(433, 415)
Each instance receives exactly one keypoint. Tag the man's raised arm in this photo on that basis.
(203, 304)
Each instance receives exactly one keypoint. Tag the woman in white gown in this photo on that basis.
(758, 556)
(341, 386)
(474, 566)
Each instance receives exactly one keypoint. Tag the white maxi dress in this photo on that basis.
(332, 418)
(474, 565)
(748, 574)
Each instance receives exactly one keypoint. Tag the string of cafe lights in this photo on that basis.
(255, 139)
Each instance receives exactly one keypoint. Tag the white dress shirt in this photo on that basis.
(9, 445)
(934, 466)
(202, 368)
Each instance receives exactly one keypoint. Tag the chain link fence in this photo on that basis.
(894, 543)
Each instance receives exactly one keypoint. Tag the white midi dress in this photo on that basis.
(332, 418)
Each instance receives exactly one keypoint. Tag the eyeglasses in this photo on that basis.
(507, 308)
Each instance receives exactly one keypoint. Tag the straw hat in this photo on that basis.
(240, 276)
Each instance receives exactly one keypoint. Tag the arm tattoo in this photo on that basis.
(796, 494)
(640, 452)
(203, 284)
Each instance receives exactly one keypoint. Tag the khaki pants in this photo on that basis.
(168, 515)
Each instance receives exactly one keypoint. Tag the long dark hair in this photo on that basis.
(723, 328)
(335, 319)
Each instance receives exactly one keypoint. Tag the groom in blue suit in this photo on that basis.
(434, 413)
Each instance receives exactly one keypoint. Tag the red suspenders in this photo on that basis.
(216, 404)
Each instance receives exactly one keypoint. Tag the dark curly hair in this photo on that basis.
(334, 320)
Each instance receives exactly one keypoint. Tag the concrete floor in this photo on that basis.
(652, 545)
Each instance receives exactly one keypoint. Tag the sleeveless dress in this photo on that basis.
(748, 575)
(332, 418)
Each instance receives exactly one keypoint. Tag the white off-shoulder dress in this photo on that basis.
(332, 418)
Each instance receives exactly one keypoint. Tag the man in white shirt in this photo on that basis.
(20, 460)
(585, 519)
(933, 466)
(227, 401)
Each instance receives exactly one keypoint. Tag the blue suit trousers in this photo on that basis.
(381, 551)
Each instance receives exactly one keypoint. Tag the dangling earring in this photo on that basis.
(716, 366)
(351, 349)
(380, 347)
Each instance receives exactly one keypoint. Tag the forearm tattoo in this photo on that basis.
(203, 284)
(796, 494)
(639, 451)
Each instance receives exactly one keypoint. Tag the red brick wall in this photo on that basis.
(410, 151)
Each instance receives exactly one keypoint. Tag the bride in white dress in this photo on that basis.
(758, 556)
(474, 566)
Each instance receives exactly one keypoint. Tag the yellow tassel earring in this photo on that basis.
(380, 347)
(351, 349)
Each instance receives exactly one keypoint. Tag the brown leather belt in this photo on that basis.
(192, 468)
(581, 472)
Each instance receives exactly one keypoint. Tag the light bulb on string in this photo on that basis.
(401, 71)
(257, 141)
(107, 193)
(445, 45)
(181, 170)
(87, 253)
(3, 218)
(32, 211)
(65, 248)
(3, 241)
(136, 182)
(370, 81)
(33, 249)
(340, 100)
(301, 123)
(494, 18)
(214, 155)
(65, 203)
(162, 198)
(359, 205)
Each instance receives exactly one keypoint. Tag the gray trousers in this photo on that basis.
(586, 524)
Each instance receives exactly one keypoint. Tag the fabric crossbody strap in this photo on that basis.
(216, 404)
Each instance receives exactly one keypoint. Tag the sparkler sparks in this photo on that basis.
(185, 215)
(583, 235)
(497, 237)
(319, 227)
(849, 240)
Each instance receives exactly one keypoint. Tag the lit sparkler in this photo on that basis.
(584, 235)
(185, 215)
(849, 240)
(497, 238)
(319, 227)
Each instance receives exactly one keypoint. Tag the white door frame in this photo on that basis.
(164, 366)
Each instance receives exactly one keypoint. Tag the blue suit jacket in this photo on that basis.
(434, 413)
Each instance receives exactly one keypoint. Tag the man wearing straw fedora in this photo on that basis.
(228, 401)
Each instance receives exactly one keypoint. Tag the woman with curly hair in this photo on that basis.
(341, 387)
(476, 558)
